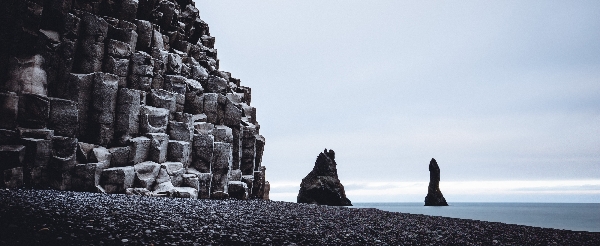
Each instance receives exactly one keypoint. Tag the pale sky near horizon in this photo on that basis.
(504, 94)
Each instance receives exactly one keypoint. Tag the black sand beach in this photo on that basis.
(44, 217)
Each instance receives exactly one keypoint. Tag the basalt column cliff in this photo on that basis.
(122, 96)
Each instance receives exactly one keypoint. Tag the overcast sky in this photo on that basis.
(504, 94)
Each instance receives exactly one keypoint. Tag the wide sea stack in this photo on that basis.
(322, 185)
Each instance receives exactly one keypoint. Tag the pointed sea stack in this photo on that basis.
(322, 186)
(434, 195)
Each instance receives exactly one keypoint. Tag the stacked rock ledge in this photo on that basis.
(122, 96)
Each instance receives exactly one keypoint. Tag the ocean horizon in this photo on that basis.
(565, 216)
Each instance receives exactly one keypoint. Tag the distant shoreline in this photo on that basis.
(566, 216)
(74, 218)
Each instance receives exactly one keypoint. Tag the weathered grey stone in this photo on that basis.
(9, 107)
(204, 127)
(235, 175)
(180, 151)
(267, 190)
(191, 180)
(322, 185)
(199, 73)
(238, 190)
(215, 84)
(142, 71)
(258, 184)
(249, 181)
(138, 192)
(184, 192)
(202, 152)
(118, 49)
(177, 85)
(204, 182)
(39, 177)
(163, 175)
(194, 103)
(124, 31)
(94, 26)
(211, 107)
(37, 152)
(248, 159)
(157, 39)
(60, 180)
(175, 63)
(117, 179)
(176, 171)
(119, 156)
(100, 155)
(198, 118)
(84, 151)
(146, 174)
(27, 76)
(103, 107)
(219, 195)
(260, 147)
(153, 120)
(161, 59)
(63, 117)
(158, 147)
(12, 156)
(139, 82)
(236, 146)
(249, 112)
(127, 115)
(37, 156)
(34, 111)
(117, 66)
(221, 164)
(158, 81)
(142, 64)
(64, 154)
(144, 31)
(434, 194)
(13, 177)
(164, 188)
(89, 56)
(223, 134)
(78, 88)
(8, 137)
(232, 115)
(139, 148)
(181, 131)
(86, 177)
(163, 99)
(35, 133)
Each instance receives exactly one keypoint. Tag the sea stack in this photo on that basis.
(322, 185)
(434, 195)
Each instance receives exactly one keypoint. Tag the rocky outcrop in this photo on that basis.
(434, 195)
(122, 96)
(322, 185)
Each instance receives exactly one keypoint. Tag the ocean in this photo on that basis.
(567, 216)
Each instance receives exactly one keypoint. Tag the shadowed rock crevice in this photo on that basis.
(322, 186)
(434, 195)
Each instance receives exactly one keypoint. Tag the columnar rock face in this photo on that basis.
(322, 185)
(122, 96)
(434, 195)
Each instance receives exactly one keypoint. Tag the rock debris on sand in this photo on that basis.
(46, 217)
